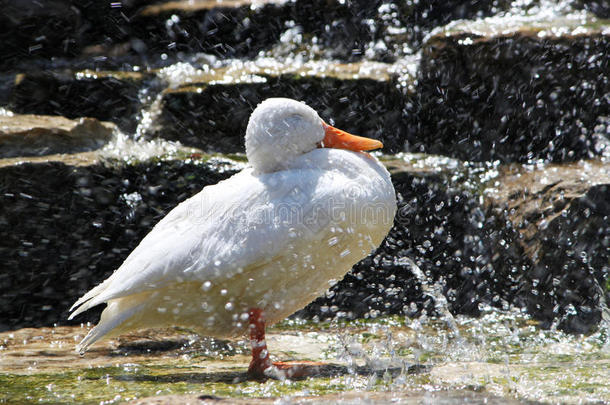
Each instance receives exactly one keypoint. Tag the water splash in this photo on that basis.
(435, 292)
(5, 112)
(124, 148)
(149, 114)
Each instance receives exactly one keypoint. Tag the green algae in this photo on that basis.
(94, 386)
(118, 384)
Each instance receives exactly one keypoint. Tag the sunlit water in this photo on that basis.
(503, 353)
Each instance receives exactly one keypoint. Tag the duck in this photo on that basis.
(253, 249)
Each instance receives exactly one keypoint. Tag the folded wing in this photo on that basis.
(225, 229)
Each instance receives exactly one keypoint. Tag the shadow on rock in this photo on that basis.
(237, 377)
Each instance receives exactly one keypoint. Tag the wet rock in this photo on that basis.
(326, 29)
(511, 89)
(32, 135)
(399, 28)
(224, 29)
(464, 103)
(71, 220)
(36, 33)
(561, 215)
(442, 226)
(41, 365)
(119, 34)
(481, 235)
(534, 238)
(209, 107)
(601, 8)
(115, 35)
(210, 114)
(68, 221)
(107, 96)
(6, 84)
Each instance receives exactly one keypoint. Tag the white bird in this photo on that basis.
(260, 245)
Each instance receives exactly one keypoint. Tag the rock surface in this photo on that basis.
(33, 135)
(107, 96)
(460, 100)
(112, 35)
(67, 222)
(486, 237)
(450, 223)
(212, 114)
(394, 359)
(560, 214)
(135, 32)
(496, 90)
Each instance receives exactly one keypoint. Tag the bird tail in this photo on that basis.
(112, 321)
(85, 302)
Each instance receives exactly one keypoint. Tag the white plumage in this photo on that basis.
(273, 236)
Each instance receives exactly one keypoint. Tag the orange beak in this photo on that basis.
(336, 138)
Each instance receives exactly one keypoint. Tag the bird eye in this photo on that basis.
(294, 120)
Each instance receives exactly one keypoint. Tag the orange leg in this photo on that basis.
(260, 355)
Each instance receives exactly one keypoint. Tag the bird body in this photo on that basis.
(272, 239)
